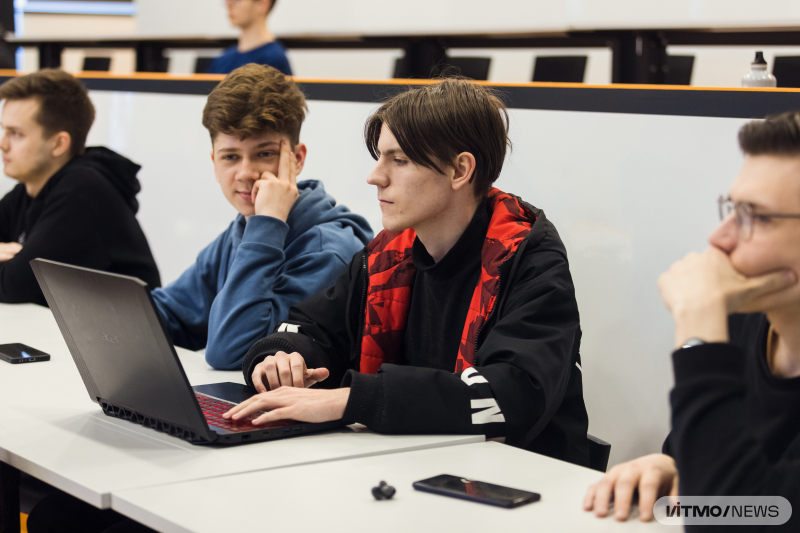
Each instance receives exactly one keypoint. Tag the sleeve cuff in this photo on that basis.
(265, 230)
(708, 359)
(365, 404)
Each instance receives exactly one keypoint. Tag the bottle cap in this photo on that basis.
(759, 60)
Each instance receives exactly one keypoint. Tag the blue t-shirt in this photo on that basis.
(272, 54)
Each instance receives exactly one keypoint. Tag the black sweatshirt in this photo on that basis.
(736, 426)
(439, 306)
(85, 215)
(526, 381)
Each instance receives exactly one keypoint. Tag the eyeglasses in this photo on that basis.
(745, 214)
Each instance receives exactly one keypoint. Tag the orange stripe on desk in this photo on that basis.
(216, 77)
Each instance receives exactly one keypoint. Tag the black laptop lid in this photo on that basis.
(112, 330)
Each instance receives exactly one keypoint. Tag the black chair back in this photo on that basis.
(202, 64)
(678, 70)
(476, 68)
(787, 70)
(564, 69)
(97, 64)
(599, 451)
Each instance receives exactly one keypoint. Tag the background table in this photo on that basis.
(335, 496)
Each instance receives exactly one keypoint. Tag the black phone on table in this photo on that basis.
(21, 353)
(476, 491)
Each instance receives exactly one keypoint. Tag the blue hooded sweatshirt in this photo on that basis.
(244, 283)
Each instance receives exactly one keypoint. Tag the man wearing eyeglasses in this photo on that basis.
(256, 43)
(736, 307)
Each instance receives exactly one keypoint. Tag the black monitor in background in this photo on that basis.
(564, 69)
(7, 16)
(202, 64)
(678, 70)
(787, 71)
(97, 64)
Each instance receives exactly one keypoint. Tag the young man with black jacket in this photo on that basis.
(460, 317)
(736, 306)
(73, 204)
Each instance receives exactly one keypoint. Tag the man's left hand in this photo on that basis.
(305, 405)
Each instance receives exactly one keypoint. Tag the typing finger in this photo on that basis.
(239, 407)
(271, 372)
(258, 379)
(272, 416)
(298, 368)
(285, 371)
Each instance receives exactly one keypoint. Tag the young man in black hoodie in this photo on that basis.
(73, 204)
(736, 306)
(460, 317)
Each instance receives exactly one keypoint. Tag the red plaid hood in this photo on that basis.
(392, 275)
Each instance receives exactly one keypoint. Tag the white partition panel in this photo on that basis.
(629, 194)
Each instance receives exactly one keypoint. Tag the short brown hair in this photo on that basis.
(775, 135)
(252, 100)
(440, 121)
(64, 103)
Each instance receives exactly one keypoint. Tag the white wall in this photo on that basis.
(625, 206)
(294, 17)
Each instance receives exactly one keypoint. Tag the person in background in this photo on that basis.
(460, 317)
(289, 240)
(736, 307)
(256, 43)
(73, 204)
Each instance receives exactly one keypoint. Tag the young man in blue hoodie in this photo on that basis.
(289, 241)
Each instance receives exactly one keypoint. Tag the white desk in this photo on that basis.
(50, 429)
(335, 496)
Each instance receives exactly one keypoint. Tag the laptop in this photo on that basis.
(129, 366)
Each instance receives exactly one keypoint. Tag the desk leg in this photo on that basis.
(9, 499)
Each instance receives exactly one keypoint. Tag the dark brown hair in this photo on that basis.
(272, 5)
(775, 135)
(434, 123)
(255, 99)
(64, 103)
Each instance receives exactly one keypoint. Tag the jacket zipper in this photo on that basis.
(362, 310)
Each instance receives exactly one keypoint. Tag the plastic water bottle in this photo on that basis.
(758, 75)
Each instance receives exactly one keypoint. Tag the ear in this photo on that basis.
(465, 168)
(63, 142)
(300, 152)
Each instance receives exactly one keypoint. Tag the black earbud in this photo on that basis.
(383, 491)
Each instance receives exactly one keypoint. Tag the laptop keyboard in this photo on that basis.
(213, 409)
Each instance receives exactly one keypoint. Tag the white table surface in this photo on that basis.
(335, 496)
(50, 428)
